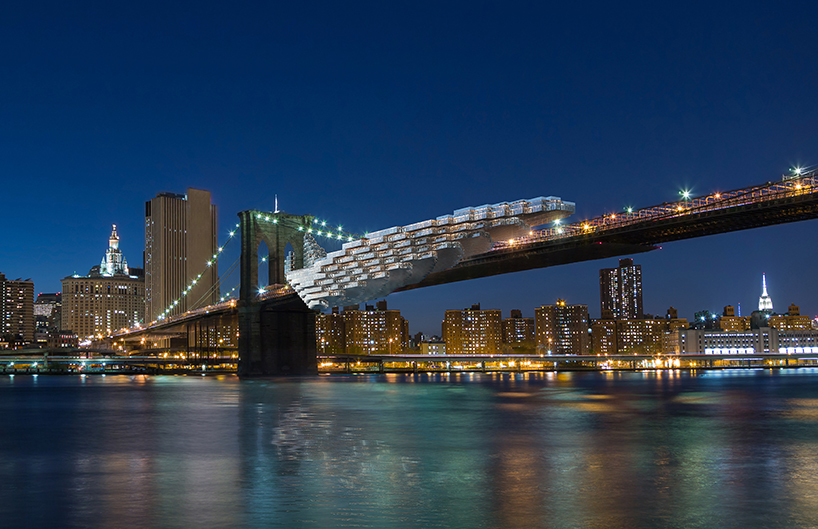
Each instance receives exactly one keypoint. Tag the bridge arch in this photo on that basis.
(276, 231)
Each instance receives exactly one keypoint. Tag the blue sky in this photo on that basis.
(379, 114)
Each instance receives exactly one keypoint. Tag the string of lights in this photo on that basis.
(319, 227)
(195, 280)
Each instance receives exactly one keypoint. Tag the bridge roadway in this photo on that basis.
(642, 230)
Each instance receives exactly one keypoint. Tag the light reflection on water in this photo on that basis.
(649, 449)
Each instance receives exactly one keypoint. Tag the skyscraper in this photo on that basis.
(110, 297)
(620, 291)
(764, 302)
(180, 240)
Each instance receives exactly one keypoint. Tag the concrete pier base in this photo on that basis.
(277, 338)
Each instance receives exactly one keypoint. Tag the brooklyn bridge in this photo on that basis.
(271, 329)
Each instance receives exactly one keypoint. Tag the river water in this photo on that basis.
(647, 449)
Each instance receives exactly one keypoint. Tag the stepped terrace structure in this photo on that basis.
(387, 260)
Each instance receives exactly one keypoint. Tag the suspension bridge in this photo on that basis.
(272, 328)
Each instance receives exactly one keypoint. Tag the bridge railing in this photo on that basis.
(801, 185)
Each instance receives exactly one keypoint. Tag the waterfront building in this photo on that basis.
(711, 341)
(620, 291)
(642, 336)
(330, 333)
(562, 328)
(110, 297)
(180, 241)
(518, 332)
(370, 331)
(603, 337)
(758, 340)
(433, 347)
(472, 331)
(637, 336)
(16, 311)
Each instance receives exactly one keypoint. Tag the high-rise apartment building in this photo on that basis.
(620, 291)
(518, 331)
(16, 310)
(110, 297)
(330, 333)
(373, 330)
(472, 331)
(180, 241)
(562, 328)
(47, 315)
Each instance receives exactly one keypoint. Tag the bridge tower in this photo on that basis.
(277, 336)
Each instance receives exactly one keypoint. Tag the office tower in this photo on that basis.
(180, 241)
(562, 329)
(620, 291)
(472, 331)
(17, 311)
(110, 297)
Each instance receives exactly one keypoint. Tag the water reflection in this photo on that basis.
(669, 449)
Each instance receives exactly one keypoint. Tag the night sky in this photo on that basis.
(378, 114)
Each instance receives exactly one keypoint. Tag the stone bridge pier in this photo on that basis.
(276, 336)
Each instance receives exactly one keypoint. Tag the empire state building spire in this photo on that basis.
(764, 302)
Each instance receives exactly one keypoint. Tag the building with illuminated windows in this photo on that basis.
(16, 311)
(47, 314)
(620, 291)
(110, 297)
(730, 322)
(791, 321)
(473, 331)
(518, 332)
(562, 329)
(374, 330)
(330, 333)
(636, 336)
(180, 241)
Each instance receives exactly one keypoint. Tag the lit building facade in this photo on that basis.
(110, 297)
(730, 322)
(47, 317)
(330, 333)
(707, 341)
(180, 241)
(16, 311)
(792, 321)
(374, 330)
(562, 329)
(473, 331)
(620, 291)
(518, 331)
(637, 336)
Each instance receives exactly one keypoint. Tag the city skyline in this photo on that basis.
(606, 109)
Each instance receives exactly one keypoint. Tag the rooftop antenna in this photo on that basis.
(276, 211)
